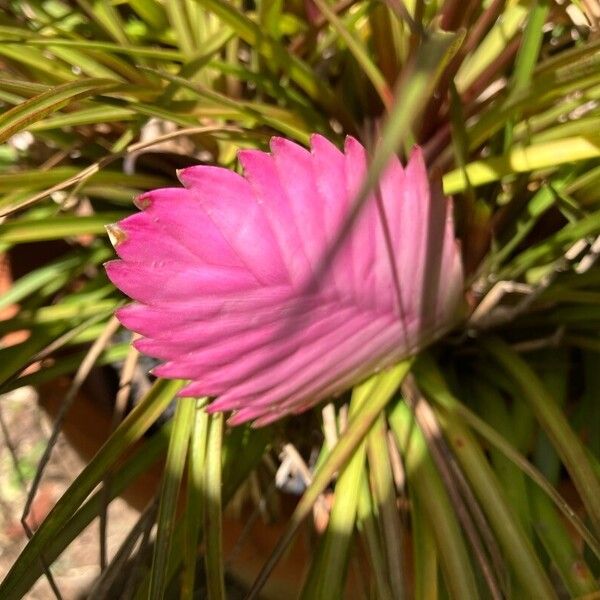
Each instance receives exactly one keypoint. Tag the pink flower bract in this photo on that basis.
(223, 275)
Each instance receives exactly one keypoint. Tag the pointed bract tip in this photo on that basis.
(350, 140)
(115, 234)
(416, 153)
(317, 138)
(189, 175)
(143, 201)
(277, 143)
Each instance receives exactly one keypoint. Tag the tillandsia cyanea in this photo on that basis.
(230, 291)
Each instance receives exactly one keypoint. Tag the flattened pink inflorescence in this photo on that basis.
(230, 291)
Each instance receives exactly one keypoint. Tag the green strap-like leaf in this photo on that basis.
(384, 495)
(213, 559)
(517, 547)
(360, 53)
(171, 483)
(30, 230)
(425, 482)
(555, 424)
(296, 69)
(194, 508)
(385, 384)
(368, 525)
(546, 155)
(574, 571)
(329, 567)
(41, 106)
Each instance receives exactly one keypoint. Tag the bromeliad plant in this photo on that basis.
(473, 367)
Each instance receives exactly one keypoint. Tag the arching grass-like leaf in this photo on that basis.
(38, 107)
(170, 489)
(212, 500)
(380, 390)
(517, 548)
(425, 482)
(553, 421)
(194, 507)
(330, 565)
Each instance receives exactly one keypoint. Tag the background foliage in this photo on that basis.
(451, 471)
